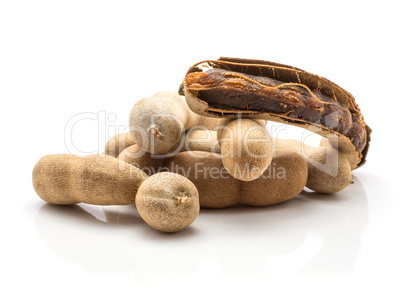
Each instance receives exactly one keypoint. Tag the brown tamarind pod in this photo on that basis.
(118, 143)
(97, 179)
(192, 140)
(140, 158)
(245, 148)
(281, 93)
(104, 180)
(284, 179)
(157, 122)
(328, 169)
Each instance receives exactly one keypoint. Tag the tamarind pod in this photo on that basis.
(100, 180)
(328, 169)
(246, 148)
(282, 93)
(348, 152)
(192, 140)
(157, 122)
(168, 202)
(216, 188)
(198, 140)
(118, 143)
(141, 159)
(284, 179)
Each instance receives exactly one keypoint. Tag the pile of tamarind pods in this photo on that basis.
(208, 146)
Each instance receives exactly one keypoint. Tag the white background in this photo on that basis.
(59, 59)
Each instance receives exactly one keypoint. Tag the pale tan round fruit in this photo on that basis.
(246, 148)
(168, 202)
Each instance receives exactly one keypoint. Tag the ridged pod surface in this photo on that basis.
(267, 90)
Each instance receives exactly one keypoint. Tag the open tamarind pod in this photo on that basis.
(282, 93)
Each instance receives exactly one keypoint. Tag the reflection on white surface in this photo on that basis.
(311, 234)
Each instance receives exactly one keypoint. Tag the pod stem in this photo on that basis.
(184, 200)
(154, 131)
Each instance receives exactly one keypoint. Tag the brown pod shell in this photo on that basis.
(157, 122)
(118, 143)
(197, 140)
(216, 188)
(284, 179)
(97, 179)
(245, 148)
(329, 170)
(192, 140)
(142, 159)
(272, 91)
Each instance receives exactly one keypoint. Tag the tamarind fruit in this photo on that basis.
(67, 179)
(245, 148)
(284, 179)
(141, 159)
(282, 93)
(168, 202)
(157, 122)
(118, 143)
(97, 179)
(192, 140)
(329, 170)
